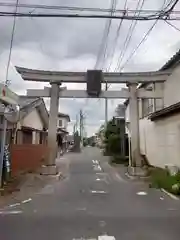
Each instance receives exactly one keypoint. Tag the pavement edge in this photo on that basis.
(170, 194)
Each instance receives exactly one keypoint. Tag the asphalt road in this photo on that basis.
(91, 202)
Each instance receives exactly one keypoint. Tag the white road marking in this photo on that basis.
(14, 205)
(10, 212)
(172, 209)
(106, 238)
(81, 209)
(99, 167)
(94, 191)
(98, 179)
(141, 193)
(27, 200)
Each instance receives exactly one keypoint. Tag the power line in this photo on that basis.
(11, 43)
(138, 46)
(116, 39)
(109, 26)
(91, 16)
(72, 8)
(104, 41)
(172, 25)
(144, 38)
(128, 37)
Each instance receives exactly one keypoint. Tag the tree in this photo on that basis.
(112, 138)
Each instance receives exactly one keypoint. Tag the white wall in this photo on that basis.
(160, 140)
(33, 120)
(172, 88)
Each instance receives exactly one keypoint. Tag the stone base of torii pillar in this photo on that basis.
(137, 171)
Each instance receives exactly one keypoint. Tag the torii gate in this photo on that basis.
(56, 78)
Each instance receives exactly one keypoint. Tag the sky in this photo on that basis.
(64, 44)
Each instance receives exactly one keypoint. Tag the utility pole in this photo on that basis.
(106, 107)
(81, 124)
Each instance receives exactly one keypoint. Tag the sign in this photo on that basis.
(7, 96)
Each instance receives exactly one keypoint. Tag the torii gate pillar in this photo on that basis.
(50, 167)
(135, 167)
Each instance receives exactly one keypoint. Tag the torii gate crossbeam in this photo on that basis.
(56, 78)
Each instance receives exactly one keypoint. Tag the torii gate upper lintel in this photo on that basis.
(54, 92)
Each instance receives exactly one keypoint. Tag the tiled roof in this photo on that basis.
(172, 62)
(25, 101)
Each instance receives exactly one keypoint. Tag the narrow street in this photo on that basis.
(93, 200)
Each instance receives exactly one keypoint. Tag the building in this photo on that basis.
(159, 119)
(31, 123)
(62, 125)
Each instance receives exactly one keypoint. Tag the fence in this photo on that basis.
(27, 157)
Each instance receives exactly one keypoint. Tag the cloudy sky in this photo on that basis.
(73, 45)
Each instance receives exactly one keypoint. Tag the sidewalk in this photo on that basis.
(26, 185)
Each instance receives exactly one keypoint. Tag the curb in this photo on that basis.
(170, 194)
(59, 176)
(130, 177)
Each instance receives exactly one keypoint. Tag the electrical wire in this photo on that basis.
(129, 37)
(105, 37)
(172, 25)
(116, 40)
(138, 46)
(109, 26)
(72, 8)
(90, 16)
(144, 38)
(11, 44)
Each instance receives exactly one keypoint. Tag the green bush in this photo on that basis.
(160, 178)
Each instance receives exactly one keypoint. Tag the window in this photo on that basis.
(60, 123)
(152, 105)
(159, 104)
(147, 107)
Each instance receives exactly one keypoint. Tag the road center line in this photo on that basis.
(14, 205)
(10, 212)
(106, 238)
(94, 191)
(27, 200)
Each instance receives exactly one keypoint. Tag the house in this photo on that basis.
(28, 135)
(159, 119)
(31, 124)
(62, 125)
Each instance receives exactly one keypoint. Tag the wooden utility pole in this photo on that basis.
(106, 107)
(81, 124)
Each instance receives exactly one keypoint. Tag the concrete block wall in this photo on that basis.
(160, 140)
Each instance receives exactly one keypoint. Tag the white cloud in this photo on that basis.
(73, 45)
